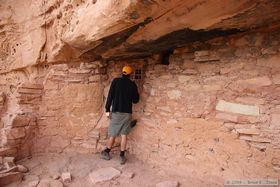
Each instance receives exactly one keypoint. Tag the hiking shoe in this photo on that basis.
(133, 123)
(122, 160)
(105, 155)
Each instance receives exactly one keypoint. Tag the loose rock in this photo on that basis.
(22, 168)
(66, 177)
(9, 162)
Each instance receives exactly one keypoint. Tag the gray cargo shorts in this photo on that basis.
(119, 124)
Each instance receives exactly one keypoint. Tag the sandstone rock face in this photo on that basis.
(215, 100)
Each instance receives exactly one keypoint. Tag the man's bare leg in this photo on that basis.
(123, 148)
(123, 142)
(111, 142)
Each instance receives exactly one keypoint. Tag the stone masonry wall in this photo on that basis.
(214, 110)
(71, 108)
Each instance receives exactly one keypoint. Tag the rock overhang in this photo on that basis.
(70, 30)
(158, 26)
(166, 25)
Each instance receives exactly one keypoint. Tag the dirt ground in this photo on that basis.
(51, 166)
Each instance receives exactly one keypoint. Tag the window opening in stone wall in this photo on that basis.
(138, 74)
(165, 57)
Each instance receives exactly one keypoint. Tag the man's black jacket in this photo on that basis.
(123, 92)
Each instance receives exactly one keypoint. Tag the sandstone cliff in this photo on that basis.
(212, 108)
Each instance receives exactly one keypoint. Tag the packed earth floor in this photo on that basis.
(46, 170)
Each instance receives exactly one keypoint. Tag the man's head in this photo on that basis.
(127, 70)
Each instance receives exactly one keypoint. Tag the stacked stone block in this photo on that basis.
(71, 108)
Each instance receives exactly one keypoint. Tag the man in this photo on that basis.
(122, 94)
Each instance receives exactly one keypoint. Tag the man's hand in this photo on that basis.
(108, 115)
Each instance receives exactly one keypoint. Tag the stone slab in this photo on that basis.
(204, 56)
(104, 174)
(32, 86)
(237, 108)
(258, 81)
(29, 91)
(168, 184)
(248, 131)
